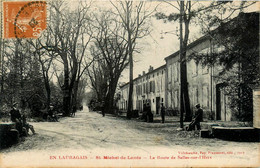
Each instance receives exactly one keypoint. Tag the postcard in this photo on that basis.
(129, 83)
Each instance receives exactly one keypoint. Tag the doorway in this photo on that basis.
(157, 105)
(218, 102)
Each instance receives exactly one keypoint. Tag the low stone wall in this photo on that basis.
(8, 135)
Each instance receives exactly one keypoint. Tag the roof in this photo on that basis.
(139, 77)
(191, 45)
(207, 36)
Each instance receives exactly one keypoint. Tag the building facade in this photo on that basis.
(205, 86)
(148, 87)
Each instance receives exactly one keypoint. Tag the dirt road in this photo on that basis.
(91, 140)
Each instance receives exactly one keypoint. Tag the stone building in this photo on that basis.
(162, 85)
(204, 88)
(204, 83)
(148, 87)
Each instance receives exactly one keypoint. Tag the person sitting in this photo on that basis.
(16, 118)
(198, 117)
(52, 115)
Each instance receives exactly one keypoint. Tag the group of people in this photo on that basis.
(147, 113)
(195, 123)
(20, 121)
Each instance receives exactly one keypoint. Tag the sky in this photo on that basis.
(160, 44)
(162, 40)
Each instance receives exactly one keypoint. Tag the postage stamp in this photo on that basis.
(24, 19)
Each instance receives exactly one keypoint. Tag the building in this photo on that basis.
(204, 83)
(148, 87)
(203, 87)
(162, 85)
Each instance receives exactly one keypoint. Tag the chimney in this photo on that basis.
(139, 75)
(143, 73)
(150, 69)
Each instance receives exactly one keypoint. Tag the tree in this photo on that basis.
(67, 37)
(45, 59)
(185, 15)
(110, 51)
(23, 82)
(134, 17)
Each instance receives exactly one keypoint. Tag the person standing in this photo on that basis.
(149, 113)
(162, 113)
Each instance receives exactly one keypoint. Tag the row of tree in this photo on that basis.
(80, 45)
(88, 44)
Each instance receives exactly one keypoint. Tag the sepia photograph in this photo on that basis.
(129, 83)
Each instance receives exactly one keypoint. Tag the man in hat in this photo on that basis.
(198, 117)
(16, 118)
(52, 114)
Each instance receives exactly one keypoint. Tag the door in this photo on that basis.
(221, 102)
(157, 105)
(218, 102)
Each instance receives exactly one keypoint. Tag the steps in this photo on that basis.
(243, 134)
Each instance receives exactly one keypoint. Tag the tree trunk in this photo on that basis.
(75, 95)
(66, 88)
(185, 93)
(48, 94)
(130, 98)
(185, 88)
(181, 63)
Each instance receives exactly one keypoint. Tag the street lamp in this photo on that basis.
(169, 32)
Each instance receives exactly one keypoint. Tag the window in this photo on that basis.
(161, 83)
(206, 54)
(194, 68)
(162, 100)
(169, 74)
(158, 85)
(205, 69)
(176, 98)
(205, 96)
(195, 95)
(147, 87)
(176, 72)
(152, 86)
